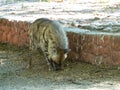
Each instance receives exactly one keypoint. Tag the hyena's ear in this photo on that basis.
(67, 50)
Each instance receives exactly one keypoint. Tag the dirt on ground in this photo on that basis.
(14, 74)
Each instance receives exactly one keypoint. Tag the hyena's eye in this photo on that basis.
(55, 51)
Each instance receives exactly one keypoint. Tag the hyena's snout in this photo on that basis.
(58, 58)
(56, 66)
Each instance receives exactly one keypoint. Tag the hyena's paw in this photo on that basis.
(29, 64)
(50, 68)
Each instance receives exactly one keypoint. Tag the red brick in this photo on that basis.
(87, 57)
(1, 35)
(115, 43)
(15, 39)
(4, 37)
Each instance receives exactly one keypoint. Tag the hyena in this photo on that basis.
(49, 36)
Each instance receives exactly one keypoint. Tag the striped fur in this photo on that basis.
(50, 37)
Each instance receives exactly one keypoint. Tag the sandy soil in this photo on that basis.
(75, 76)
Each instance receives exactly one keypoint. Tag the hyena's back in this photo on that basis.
(51, 38)
(47, 30)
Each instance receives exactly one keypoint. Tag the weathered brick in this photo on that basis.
(87, 57)
(15, 39)
(106, 41)
(115, 43)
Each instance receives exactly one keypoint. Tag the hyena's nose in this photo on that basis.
(56, 66)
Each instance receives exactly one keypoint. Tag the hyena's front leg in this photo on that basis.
(46, 55)
(48, 60)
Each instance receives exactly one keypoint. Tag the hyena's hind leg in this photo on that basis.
(31, 54)
(29, 65)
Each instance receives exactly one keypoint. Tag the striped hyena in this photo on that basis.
(49, 36)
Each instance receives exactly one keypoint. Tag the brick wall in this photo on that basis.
(95, 49)
(14, 32)
(92, 48)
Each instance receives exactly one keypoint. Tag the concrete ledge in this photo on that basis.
(92, 47)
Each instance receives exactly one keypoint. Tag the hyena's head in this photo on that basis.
(58, 55)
